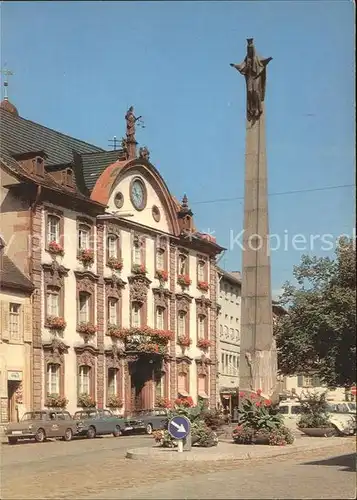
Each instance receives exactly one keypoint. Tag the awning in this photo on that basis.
(203, 395)
(183, 393)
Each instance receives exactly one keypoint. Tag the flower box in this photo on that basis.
(87, 328)
(140, 333)
(86, 256)
(115, 401)
(203, 285)
(55, 323)
(114, 331)
(115, 264)
(138, 269)
(162, 275)
(184, 340)
(204, 343)
(187, 402)
(184, 280)
(56, 401)
(55, 248)
(162, 403)
(86, 401)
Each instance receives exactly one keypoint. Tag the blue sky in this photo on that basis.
(79, 65)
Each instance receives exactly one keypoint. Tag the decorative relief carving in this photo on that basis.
(161, 297)
(139, 286)
(113, 229)
(113, 356)
(54, 351)
(86, 281)
(183, 302)
(54, 274)
(202, 305)
(113, 286)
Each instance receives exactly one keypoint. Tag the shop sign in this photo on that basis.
(14, 375)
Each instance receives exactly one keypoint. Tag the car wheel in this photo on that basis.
(68, 435)
(91, 433)
(12, 440)
(335, 431)
(149, 429)
(117, 431)
(40, 436)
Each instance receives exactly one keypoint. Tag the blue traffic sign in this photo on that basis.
(179, 427)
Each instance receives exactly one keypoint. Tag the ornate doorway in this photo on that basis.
(142, 384)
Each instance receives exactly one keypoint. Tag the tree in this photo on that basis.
(319, 332)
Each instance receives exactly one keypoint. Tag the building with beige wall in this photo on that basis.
(125, 306)
(15, 339)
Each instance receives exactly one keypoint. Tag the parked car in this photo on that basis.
(94, 422)
(40, 425)
(343, 407)
(154, 419)
(291, 411)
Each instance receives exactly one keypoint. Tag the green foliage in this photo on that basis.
(257, 414)
(319, 332)
(314, 409)
(279, 436)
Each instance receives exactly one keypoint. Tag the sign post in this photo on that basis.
(179, 428)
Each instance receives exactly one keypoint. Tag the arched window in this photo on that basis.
(112, 246)
(112, 387)
(83, 236)
(160, 318)
(84, 382)
(182, 321)
(136, 314)
(84, 307)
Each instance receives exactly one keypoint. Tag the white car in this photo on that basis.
(344, 423)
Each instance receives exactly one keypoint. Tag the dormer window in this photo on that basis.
(68, 177)
(39, 166)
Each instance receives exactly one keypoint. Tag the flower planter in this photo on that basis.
(55, 323)
(55, 248)
(162, 276)
(86, 256)
(184, 280)
(260, 440)
(139, 269)
(184, 341)
(115, 264)
(318, 431)
(203, 286)
(204, 343)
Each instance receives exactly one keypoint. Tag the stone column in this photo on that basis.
(172, 323)
(258, 358)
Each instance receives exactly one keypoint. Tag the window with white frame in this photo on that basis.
(201, 326)
(84, 307)
(84, 379)
(112, 311)
(112, 243)
(53, 378)
(52, 298)
(201, 270)
(135, 315)
(112, 381)
(15, 323)
(83, 237)
(53, 229)
(160, 259)
(181, 326)
(160, 312)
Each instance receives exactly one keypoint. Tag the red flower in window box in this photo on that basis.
(115, 264)
(87, 328)
(203, 285)
(204, 343)
(184, 340)
(184, 280)
(86, 256)
(162, 275)
(162, 403)
(160, 336)
(187, 402)
(55, 248)
(114, 331)
(138, 269)
(56, 401)
(55, 323)
(114, 401)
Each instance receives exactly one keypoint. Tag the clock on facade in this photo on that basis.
(138, 194)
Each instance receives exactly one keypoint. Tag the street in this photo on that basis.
(98, 469)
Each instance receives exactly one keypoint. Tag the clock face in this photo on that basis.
(138, 194)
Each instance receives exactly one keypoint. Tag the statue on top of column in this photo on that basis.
(253, 68)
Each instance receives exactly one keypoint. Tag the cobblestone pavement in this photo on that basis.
(97, 469)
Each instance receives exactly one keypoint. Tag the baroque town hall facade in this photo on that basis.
(124, 307)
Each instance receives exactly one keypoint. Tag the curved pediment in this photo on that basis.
(155, 208)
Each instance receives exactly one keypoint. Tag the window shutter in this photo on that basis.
(300, 381)
(27, 322)
(5, 320)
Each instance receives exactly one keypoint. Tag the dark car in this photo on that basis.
(94, 422)
(154, 419)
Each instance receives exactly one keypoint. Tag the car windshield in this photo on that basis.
(284, 410)
(34, 415)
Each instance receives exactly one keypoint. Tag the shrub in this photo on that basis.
(314, 411)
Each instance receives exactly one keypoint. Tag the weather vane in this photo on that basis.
(6, 73)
